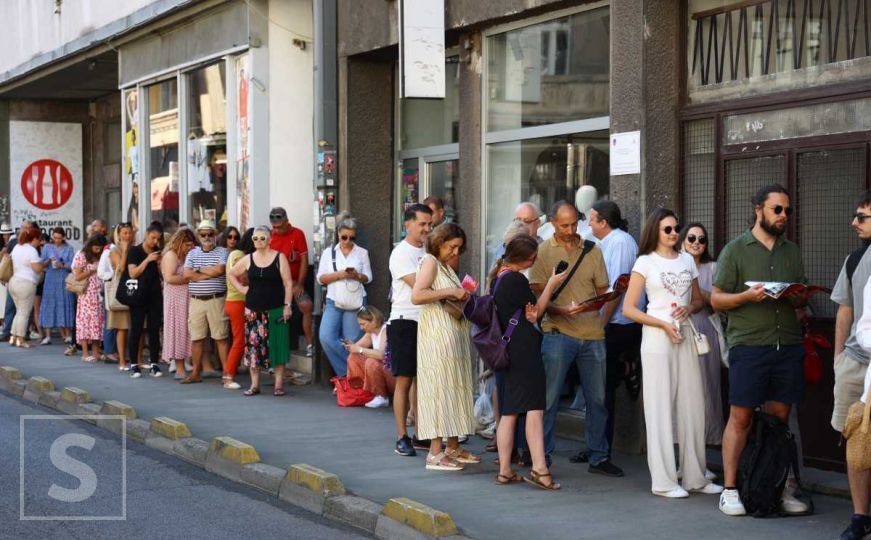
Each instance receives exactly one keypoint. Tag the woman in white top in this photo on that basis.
(694, 241)
(27, 265)
(344, 269)
(367, 357)
(672, 380)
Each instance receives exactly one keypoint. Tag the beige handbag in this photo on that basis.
(110, 294)
(76, 286)
(5, 268)
(700, 340)
(858, 435)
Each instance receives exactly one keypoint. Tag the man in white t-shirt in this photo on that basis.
(402, 326)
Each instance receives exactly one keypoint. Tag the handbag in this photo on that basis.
(347, 298)
(5, 268)
(700, 340)
(75, 286)
(350, 392)
(858, 435)
(717, 323)
(454, 308)
(110, 296)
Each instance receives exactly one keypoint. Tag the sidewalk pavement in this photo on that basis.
(357, 444)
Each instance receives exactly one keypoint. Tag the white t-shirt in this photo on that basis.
(404, 261)
(23, 255)
(358, 258)
(667, 282)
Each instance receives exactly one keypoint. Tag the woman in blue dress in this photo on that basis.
(58, 304)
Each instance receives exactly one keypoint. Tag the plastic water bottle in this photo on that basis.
(675, 322)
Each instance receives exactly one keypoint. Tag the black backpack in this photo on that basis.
(765, 463)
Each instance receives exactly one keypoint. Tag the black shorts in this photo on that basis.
(765, 373)
(402, 337)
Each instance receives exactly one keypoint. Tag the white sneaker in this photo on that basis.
(378, 401)
(34, 335)
(730, 503)
(789, 504)
(710, 476)
(172, 367)
(676, 493)
(46, 340)
(709, 489)
(232, 385)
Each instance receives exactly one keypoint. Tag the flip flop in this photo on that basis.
(279, 392)
(251, 392)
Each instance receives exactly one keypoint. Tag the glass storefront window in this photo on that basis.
(547, 73)
(541, 171)
(432, 122)
(206, 145)
(163, 132)
(130, 164)
(442, 178)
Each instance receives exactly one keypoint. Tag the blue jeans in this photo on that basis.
(335, 325)
(559, 351)
(110, 346)
(8, 315)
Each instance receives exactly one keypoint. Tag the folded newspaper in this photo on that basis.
(620, 285)
(776, 289)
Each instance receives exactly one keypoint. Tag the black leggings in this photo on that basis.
(152, 311)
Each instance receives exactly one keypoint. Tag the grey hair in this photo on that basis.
(346, 222)
(514, 229)
(528, 204)
(263, 228)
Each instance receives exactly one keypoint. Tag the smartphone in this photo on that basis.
(350, 269)
(561, 267)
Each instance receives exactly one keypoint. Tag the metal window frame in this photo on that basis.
(520, 134)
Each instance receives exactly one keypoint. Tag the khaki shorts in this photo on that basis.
(207, 317)
(849, 384)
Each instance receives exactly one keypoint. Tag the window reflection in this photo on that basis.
(206, 145)
(163, 153)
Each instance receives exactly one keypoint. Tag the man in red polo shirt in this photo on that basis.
(291, 241)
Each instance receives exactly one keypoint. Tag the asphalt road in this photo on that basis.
(74, 469)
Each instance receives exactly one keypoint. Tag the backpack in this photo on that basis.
(487, 335)
(765, 463)
(853, 261)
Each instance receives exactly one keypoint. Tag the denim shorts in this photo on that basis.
(765, 373)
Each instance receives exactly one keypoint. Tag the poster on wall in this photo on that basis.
(130, 186)
(243, 137)
(46, 176)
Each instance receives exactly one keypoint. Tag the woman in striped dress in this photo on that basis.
(176, 339)
(444, 357)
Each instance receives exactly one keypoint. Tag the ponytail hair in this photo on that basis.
(519, 249)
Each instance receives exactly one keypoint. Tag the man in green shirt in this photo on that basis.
(766, 356)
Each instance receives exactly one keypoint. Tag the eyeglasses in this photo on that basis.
(345, 238)
(668, 229)
(276, 217)
(258, 238)
(529, 221)
(207, 235)
(691, 238)
(861, 217)
(779, 209)
(232, 237)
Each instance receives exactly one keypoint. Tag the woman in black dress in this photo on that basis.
(524, 379)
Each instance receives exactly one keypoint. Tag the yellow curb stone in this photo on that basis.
(39, 385)
(71, 394)
(420, 517)
(10, 373)
(317, 480)
(169, 428)
(117, 408)
(234, 451)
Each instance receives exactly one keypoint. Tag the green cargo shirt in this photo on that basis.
(770, 322)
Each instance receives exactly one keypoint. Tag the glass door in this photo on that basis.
(440, 181)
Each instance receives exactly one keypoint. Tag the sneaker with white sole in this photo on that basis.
(34, 335)
(135, 372)
(46, 340)
(154, 371)
(709, 489)
(231, 385)
(789, 504)
(675, 493)
(378, 401)
(730, 503)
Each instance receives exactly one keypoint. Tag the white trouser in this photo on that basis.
(23, 292)
(673, 395)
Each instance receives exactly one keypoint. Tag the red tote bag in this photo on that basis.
(350, 392)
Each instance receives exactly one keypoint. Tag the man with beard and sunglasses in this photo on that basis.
(766, 353)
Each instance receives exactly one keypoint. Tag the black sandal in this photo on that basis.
(251, 392)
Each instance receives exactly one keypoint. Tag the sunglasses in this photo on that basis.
(345, 238)
(668, 229)
(779, 209)
(207, 235)
(276, 217)
(258, 238)
(861, 217)
(232, 237)
(691, 238)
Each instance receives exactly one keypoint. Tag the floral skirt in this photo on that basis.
(267, 339)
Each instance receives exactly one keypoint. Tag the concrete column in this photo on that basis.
(468, 196)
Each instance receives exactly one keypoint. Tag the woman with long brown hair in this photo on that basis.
(672, 385)
(89, 308)
(522, 386)
(176, 337)
(119, 319)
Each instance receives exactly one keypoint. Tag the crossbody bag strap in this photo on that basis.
(588, 246)
(334, 259)
(514, 321)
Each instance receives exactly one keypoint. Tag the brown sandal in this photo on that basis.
(503, 480)
(535, 477)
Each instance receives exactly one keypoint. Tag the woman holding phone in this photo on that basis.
(344, 270)
(268, 296)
